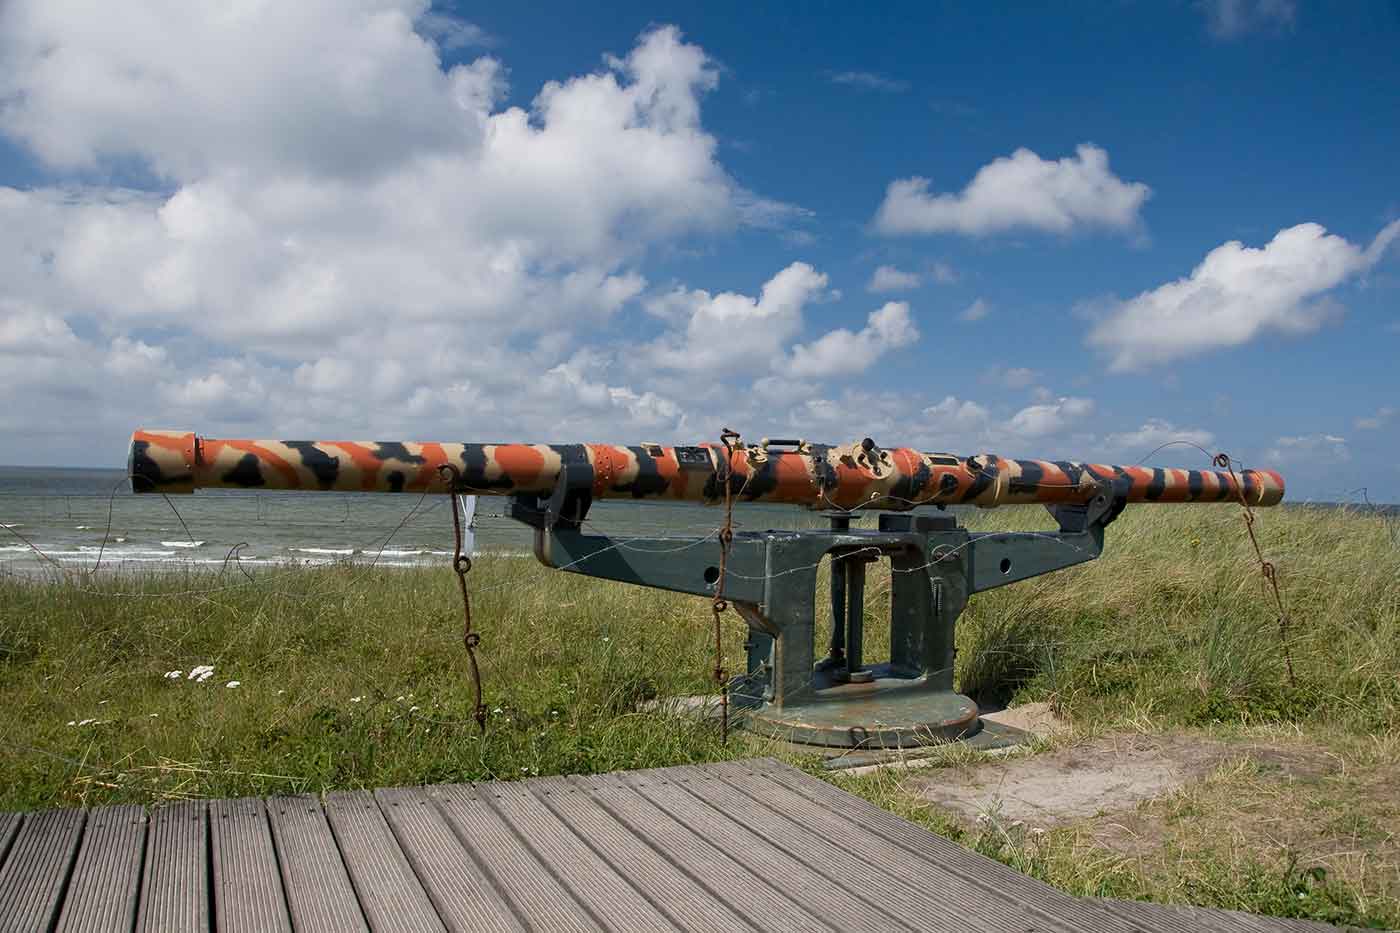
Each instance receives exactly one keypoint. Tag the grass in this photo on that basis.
(353, 678)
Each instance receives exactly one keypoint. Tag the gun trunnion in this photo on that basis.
(771, 576)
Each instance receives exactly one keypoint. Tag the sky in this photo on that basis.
(1076, 232)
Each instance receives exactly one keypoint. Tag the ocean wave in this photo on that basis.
(12, 525)
(334, 551)
(182, 544)
(111, 553)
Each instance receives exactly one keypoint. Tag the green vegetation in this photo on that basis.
(351, 677)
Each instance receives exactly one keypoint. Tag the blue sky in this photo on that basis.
(1137, 223)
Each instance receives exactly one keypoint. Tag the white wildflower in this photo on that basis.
(200, 673)
(155, 715)
(496, 710)
(86, 722)
(103, 702)
(233, 683)
(398, 699)
(356, 699)
(280, 692)
(174, 675)
(413, 709)
(72, 722)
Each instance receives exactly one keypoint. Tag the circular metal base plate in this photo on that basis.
(884, 719)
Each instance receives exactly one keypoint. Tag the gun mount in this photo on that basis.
(770, 577)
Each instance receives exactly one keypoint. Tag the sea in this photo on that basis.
(87, 519)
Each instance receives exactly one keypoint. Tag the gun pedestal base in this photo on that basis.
(771, 583)
(891, 715)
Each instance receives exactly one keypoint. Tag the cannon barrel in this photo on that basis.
(856, 475)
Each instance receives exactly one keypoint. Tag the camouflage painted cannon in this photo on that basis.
(770, 576)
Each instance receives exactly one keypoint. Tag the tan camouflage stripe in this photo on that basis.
(856, 475)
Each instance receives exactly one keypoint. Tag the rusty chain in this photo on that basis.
(1266, 568)
(729, 439)
(462, 565)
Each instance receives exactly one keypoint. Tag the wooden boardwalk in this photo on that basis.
(751, 845)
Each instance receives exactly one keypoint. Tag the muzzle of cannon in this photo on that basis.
(770, 577)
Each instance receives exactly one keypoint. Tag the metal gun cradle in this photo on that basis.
(771, 578)
(772, 582)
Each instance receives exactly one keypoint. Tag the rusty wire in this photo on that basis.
(461, 566)
(1266, 568)
(729, 440)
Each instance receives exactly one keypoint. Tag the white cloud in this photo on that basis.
(1050, 418)
(331, 87)
(956, 416)
(975, 311)
(1230, 19)
(869, 81)
(1309, 447)
(1154, 434)
(1015, 377)
(452, 32)
(731, 332)
(339, 223)
(891, 279)
(841, 352)
(1020, 191)
(943, 273)
(27, 330)
(1236, 294)
(1380, 419)
(134, 358)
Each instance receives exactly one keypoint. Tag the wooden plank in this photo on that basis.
(943, 898)
(608, 895)
(247, 880)
(685, 899)
(1178, 918)
(320, 897)
(811, 869)
(175, 889)
(390, 894)
(36, 870)
(9, 826)
(106, 883)
(730, 880)
(788, 786)
(466, 898)
(536, 894)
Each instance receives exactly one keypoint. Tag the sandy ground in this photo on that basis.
(1100, 776)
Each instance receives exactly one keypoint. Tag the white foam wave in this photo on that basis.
(116, 554)
(182, 544)
(335, 551)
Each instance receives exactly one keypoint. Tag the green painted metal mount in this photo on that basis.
(771, 581)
